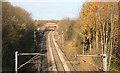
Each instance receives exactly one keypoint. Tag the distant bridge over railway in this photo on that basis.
(51, 26)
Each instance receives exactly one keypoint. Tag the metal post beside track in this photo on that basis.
(16, 61)
(104, 62)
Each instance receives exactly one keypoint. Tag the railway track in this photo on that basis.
(71, 64)
(60, 62)
(57, 60)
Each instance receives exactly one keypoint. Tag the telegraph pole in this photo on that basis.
(34, 36)
(62, 39)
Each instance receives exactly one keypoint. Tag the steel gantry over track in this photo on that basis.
(36, 56)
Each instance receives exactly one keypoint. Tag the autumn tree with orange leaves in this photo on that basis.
(98, 28)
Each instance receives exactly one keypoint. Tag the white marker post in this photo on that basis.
(104, 62)
(16, 60)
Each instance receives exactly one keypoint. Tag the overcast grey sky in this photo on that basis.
(50, 9)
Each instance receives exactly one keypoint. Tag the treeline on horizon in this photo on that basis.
(17, 35)
(95, 31)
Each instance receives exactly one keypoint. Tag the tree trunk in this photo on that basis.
(103, 38)
(102, 41)
(83, 48)
(97, 39)
(111, 43)
(90, 45)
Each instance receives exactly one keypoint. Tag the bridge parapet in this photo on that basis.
(51, 26)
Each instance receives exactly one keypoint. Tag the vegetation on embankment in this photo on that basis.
(95, 31)
(17, 34)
